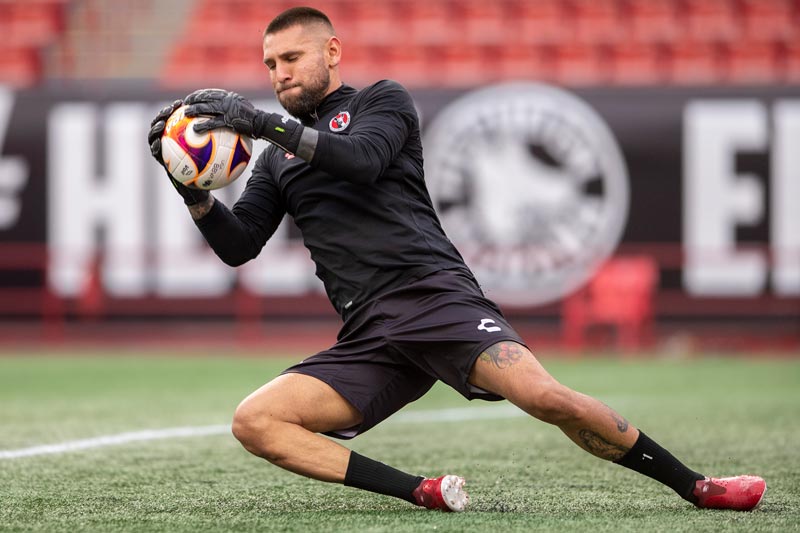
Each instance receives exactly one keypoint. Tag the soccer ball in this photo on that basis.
(209, 160)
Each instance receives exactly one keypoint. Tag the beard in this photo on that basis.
(304, 102)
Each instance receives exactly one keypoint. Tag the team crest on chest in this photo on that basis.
(340, 121)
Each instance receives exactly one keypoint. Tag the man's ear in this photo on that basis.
(333, 51)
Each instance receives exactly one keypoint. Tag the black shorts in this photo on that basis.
(394, 348)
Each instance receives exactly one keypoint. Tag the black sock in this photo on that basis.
(650, 459)
(364, 473)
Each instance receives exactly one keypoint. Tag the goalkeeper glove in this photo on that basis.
(191, 196)
(230, 110)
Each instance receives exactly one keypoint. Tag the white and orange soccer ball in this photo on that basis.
(209, 160)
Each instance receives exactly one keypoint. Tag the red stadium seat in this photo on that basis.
(261, 12)
(358, 64)
(791, 64)
(462, 65)
(637, 63)
(186, 66)
(409, 65)
(32, 23)
(752, 62)
(20, 67)
(370, 22)
(769, 20)
(598, 21)
(430, 22)
(544, 22)
(485, 22)
(581, 64)
(210, 20)
(232, 21)
(243, 66)
(619, 295)
(695, 63)
(653, 21)
(712, 20)
(524, 62)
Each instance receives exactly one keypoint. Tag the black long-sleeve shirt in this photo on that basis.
(360, 203)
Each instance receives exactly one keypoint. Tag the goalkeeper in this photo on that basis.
(350, 174)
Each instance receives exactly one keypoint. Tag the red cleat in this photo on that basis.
(445, 493)
(740, 493)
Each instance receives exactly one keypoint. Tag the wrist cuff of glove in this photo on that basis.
(194, 196)
(190, 196)
(287, 134)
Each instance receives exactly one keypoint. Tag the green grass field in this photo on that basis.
(721, 416)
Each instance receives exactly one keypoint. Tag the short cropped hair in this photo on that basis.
(295, 16)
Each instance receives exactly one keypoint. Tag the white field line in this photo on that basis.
(438, 415)
(112, 440)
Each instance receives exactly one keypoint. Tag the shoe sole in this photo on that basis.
(453, 493)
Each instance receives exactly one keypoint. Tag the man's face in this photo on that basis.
(298, 68)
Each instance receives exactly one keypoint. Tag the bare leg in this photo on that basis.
(510, 370)
(280, 421)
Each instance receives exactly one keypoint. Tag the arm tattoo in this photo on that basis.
(503, 354)
(600, 447)
(200, 210)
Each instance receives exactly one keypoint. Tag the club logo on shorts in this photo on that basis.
(531, 186)
(484, 325)
(340, 121)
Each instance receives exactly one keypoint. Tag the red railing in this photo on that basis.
(29, 303)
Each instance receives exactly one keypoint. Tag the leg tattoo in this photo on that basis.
(600, 446)
(622, 424)
(503, 354)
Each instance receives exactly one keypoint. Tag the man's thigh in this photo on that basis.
(375, 384)
(509, 369)
(305, 401)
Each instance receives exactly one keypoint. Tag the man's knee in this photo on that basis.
(271, 419)
(255, 428)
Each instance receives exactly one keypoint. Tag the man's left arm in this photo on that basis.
(386, 116)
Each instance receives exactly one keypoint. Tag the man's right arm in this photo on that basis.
(237, 235)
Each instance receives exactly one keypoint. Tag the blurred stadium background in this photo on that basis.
(678, 120)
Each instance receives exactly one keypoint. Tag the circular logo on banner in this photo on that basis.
(531, 186)
(340, 121)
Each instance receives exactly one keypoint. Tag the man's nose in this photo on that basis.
(282, 73)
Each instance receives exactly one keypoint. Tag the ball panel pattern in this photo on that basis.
(209, 160)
